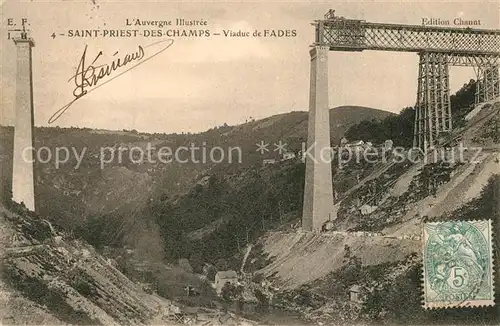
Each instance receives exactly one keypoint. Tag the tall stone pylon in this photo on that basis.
(318, 189)
(23, 178)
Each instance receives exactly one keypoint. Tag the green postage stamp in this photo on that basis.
(457, 263)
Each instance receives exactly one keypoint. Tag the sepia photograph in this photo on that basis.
(249, 162)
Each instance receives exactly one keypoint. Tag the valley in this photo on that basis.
(157, 229)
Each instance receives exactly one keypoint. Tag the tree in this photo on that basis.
(399, 127)
(461, 102)
(231, 292)
(221, 264)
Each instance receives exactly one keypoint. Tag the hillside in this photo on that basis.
(294, 125)
(116, 200)
(68, 277)
(375, 242)
(49, 277)
(210, 213)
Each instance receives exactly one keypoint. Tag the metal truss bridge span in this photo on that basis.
(437, 47)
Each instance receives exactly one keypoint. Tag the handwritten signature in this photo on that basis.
(88, 78)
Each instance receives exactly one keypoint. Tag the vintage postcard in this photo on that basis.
(249, 162)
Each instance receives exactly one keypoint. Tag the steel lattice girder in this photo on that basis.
(488, 86)
(438, 47)
(472, 60)
(433, 111)
(357, 35)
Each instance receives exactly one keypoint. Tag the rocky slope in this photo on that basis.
(400, 196)
(379, 248)
(69, 277)
(48, 277)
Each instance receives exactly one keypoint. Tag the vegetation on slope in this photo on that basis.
(399, 128)
(398, 299)
(462, 102)
(391, 292)
(66, 275)
(391, 209)
(241, 209)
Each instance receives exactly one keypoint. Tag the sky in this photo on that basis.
(199, 83)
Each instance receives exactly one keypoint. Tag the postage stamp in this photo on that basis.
(457, 264)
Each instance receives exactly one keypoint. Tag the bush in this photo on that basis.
(257, 278)
(231, 292)
(83, 283)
